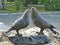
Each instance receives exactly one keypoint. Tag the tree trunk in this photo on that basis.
(5, 1)
(0, 4)
(4, 4)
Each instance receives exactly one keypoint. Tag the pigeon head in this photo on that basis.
(26, 13)
(34, 12)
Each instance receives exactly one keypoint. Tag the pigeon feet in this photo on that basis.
(18, 35)
(39, 33)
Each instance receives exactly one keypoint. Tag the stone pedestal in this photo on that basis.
(37, 39)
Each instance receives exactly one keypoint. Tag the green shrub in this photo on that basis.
(53, 5)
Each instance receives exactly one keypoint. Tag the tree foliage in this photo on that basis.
(26, 2)
(49, 4)
(18, 3)
(52, 5)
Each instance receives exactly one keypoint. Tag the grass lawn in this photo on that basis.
(11, 7)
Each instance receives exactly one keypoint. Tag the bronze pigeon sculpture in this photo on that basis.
(20, 23)
(40, 22)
